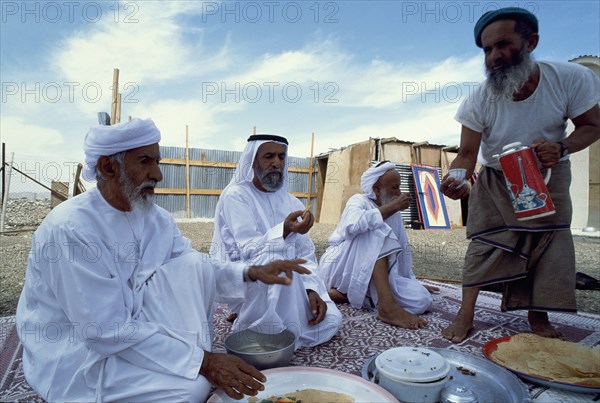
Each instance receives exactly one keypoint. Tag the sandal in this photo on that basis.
(585, 282)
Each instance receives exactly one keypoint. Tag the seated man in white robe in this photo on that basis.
(258, 221)
(117, 305)
(368, 262)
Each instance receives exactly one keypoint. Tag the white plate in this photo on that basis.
(289, 379)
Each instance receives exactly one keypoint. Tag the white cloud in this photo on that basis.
(26, 138)
(316, 61)
(171, 116)
(151, 48)
(159, 57)
(410, 101)
(385, 85)
(378, 84)
(435, 124)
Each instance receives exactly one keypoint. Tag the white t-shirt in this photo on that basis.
(565, 91)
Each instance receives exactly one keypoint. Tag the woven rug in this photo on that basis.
(362, 336)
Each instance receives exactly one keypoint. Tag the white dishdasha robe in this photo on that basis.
(249, 229)
(361, 238)
(118, 306)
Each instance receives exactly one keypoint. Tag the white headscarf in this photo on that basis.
(368, 179)
(244, 172)
(109, 140)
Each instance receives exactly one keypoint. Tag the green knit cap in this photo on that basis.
(508, 13)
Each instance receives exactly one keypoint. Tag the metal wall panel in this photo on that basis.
(215, 178)
(407, 185)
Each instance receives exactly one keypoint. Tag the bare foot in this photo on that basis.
(394, 315)
(460, 327)
(431, 289)
(541, 326)
(232, 317)
(337, 296)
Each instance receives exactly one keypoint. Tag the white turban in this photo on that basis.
(109, 140)
(368, 179)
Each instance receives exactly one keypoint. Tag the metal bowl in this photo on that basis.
(262, 350)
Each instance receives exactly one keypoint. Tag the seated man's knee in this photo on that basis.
(193, 267)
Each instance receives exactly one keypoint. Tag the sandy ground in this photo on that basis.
(437, 254)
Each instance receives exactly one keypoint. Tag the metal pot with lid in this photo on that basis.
(412, 374)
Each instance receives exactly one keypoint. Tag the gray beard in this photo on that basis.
(268, 182)
(134, 194)
(506, 82)
(386, 197)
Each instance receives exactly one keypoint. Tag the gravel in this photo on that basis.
(437, 254)
(22, 213)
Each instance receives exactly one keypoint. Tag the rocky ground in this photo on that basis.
(437, 254)
(25, 213)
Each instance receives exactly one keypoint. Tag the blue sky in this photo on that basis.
(347, 70)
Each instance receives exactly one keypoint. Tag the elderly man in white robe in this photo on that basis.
(258, 221)
(368, 262)
(116, 304)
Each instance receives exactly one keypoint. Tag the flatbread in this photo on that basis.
(306, 396)
(553, 359)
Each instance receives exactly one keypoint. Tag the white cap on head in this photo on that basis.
(371, 175)
(109, 140)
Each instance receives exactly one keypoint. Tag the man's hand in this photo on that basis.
(232, 374)
(291, 223)
(398, 203)
(401, 202)
(270, 273)
(318, 307)
(450, 187)
(547, 152)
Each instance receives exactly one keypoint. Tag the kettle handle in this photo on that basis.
(548, 174)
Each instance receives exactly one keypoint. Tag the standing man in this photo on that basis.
(258, 221)
(529, 102)
(116, 303)
(369, 262)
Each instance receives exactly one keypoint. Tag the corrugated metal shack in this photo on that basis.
(339, 173)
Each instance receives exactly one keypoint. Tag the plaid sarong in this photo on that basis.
(534, 258)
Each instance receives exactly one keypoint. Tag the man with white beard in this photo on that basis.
(529, 102)
(116, 303)
(257, 221)
(368, 262)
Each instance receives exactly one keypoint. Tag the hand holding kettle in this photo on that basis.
(547, 152)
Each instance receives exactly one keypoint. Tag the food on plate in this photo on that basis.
(466, 371)
(306, 396)
(553, 359)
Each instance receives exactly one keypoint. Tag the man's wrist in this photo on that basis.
(564, 149)
(247, 278)
(204, 365)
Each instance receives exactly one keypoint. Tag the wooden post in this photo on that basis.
(77, 187)
(187, 173)
(310, 172)
(3, 169)
(118, 118)
(6, 190)
(60, 193)
(113, 105)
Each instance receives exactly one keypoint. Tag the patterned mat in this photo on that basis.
(362, 336)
